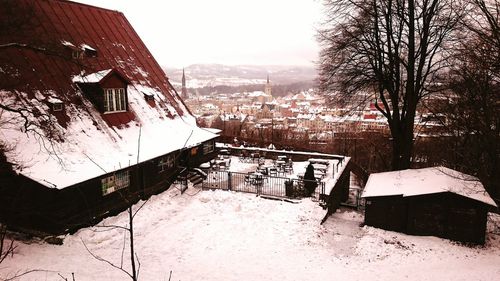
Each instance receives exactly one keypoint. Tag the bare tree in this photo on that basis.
(390, 50)
(135, 265)
(473, 113)
(6, 247)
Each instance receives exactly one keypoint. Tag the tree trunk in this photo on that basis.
(132, 252)
(402, 145)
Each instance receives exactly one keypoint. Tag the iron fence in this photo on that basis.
(261, 184)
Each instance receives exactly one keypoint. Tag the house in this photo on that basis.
(90, 122)
(435, 201)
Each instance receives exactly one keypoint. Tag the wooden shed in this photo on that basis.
(435, 201)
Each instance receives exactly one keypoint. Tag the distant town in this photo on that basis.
(296, 118)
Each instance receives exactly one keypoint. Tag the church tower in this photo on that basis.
(268, 89)
(184, 94)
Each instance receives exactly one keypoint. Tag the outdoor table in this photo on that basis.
(321, 168)
(263, 170)
(280, 162)
(319, 161)
(319, 174)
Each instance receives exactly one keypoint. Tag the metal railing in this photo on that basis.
(262, 184)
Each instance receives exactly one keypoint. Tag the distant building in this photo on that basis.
(184, 93)
(268, 88)
(259, 97)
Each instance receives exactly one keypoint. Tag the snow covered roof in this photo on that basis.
(257, 94)
(213, 130)
(87, 47)
(92, 148)
(54, 100)
(95, 77)
(104, 31)
(68, 44)
(86, 143)
(413, 182)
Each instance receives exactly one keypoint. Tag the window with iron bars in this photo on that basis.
(114, 182)
(165, 163)
(208, 147)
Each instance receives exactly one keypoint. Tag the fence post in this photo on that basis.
(229, 181)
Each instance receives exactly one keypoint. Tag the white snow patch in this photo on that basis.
(67, 43)
(218, 235)
(91, 78)
(141, 71)
(54, 100)
(87, 47)
(92, 148)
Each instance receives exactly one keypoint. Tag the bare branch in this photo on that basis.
(105, 260)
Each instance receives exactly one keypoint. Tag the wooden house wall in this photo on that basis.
(26, 204)
(388, 212)
(113, 81)
(156, 181)
(94, 93)
(447, 215)
(444, 215)
(344, 181)
(196, 156)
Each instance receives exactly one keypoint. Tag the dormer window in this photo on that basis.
(89, 51)
(77, 54)
(148, 96)
(55, 104)
(107, 89)
(84, 50)
(115, 100)
(57, 107)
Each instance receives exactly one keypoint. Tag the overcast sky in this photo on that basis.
(264, 32)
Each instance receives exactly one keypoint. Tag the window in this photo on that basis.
(208, 147)
(148, 96)
(57, 106)
(115, 100)
(115, 182)
(165, 163)
(90, 53)
(77, 54)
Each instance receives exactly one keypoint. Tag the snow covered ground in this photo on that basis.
(218, 235)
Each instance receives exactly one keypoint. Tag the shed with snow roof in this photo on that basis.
(90, 122)
(435, 201)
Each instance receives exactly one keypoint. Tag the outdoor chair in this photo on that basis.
(248, 179)
(273, 171)
(282, 170)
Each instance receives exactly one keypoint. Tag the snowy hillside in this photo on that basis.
(217, 235)
(207, 75)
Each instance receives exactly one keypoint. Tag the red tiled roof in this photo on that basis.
(33, 56)
(370, 116)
